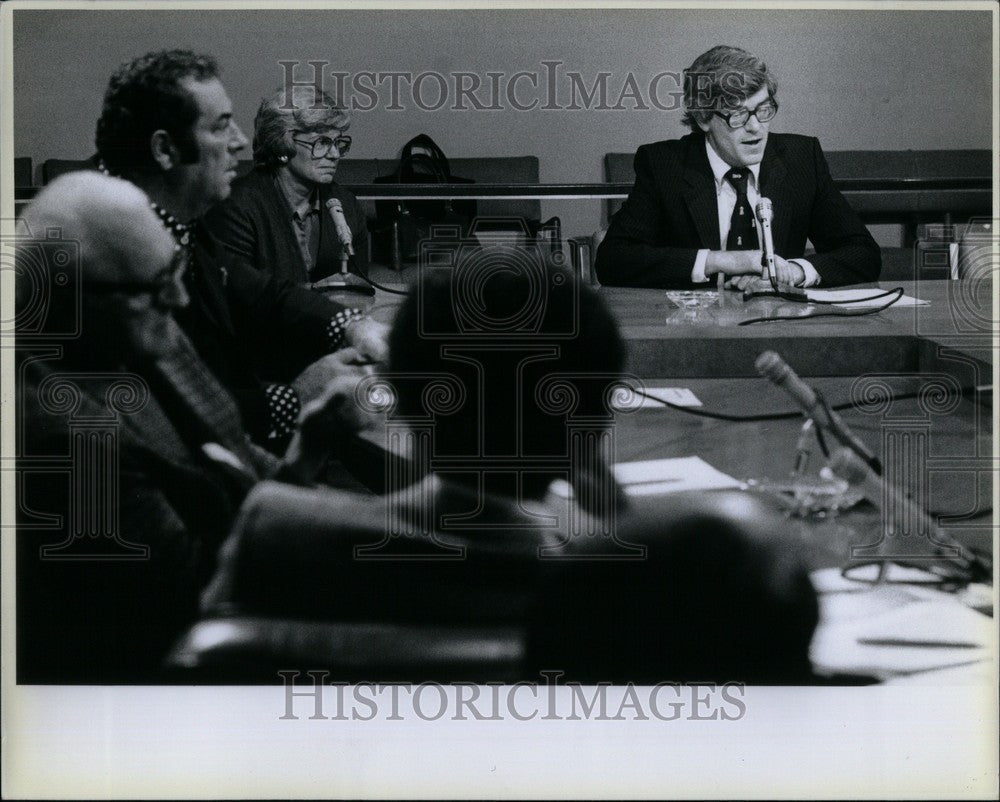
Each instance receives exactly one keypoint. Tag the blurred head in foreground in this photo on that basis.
(130, 270)
(509, 355)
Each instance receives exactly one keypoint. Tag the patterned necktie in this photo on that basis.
(742, 226)
(209, 413)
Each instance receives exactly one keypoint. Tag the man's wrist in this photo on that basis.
(336, 331)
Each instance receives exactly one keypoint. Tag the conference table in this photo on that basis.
(920, 379)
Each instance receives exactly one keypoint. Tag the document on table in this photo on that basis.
(858, 298)
(895, 629)
(678, 396)
(653, 477)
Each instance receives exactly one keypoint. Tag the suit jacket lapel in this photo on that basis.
(774, 186)
(285, 242)
(700, 194)
(208, 278)
(328, 257)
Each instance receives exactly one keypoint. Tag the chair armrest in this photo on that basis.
(255, 649)
(581, 253)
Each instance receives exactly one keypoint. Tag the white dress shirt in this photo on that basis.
(726, 202)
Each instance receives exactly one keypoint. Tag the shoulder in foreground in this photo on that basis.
(793, 143)
(249, 185)
(674, 146)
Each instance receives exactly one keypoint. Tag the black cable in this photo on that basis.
(884, 294)
(378, 286)
(898, 291)
(702, 413)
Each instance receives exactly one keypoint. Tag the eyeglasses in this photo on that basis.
(738, 118)
(322, 145)
(161, 288)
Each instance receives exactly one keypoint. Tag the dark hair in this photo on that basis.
(305, 108)
(146, 95)
(720, 78)
(530, 347)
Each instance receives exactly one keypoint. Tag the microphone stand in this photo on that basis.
(344, 281)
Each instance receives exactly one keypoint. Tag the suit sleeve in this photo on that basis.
(845, 252)
(637, 250)
(235, 235)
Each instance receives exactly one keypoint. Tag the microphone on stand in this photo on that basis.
(768, 284)
(342, 281)
(773, 367)
(765, 213)
(886, 497)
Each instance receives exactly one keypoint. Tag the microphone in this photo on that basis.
(773, 367)
(765, 214)
(768, 285)
(342, 281)
(886, 497)
(336, 210)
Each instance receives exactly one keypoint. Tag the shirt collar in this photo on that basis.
(304, 209)
(720, 168)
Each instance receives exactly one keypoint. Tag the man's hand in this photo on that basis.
(312, 382)
(369, 338)
(331, 416)
(787, 273)
(733, 263)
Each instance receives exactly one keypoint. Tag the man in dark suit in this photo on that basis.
(111, 390)
(691, 215)
(167, 126)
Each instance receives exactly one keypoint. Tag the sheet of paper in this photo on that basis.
(679, 396)
(856, 298)
(653, 477)
(883, 633)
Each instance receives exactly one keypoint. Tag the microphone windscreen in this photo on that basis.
(846, 464)
(771, 366)
(764, 209)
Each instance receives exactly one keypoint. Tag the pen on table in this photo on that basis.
(919, 644)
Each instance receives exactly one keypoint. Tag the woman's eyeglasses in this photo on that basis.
(321, 146)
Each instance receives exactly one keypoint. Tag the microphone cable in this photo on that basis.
(723, 416)
(897, 291)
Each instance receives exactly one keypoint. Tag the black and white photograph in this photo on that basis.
(432, 400)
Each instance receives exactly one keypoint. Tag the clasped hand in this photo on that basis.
(744, 267)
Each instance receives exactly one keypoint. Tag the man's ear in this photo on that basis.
(701, 120)
(163, 150)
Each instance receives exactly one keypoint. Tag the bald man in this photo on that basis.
(157, 456)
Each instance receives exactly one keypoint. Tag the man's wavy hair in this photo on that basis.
(296, 108)
(146, 95)
(722, 78)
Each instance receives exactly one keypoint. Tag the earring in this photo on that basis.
(283, 159)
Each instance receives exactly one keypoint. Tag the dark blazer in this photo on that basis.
(108, 620)
(254, 225)
(671, 214)
(250, 327)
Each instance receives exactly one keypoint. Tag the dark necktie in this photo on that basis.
(742, 226)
